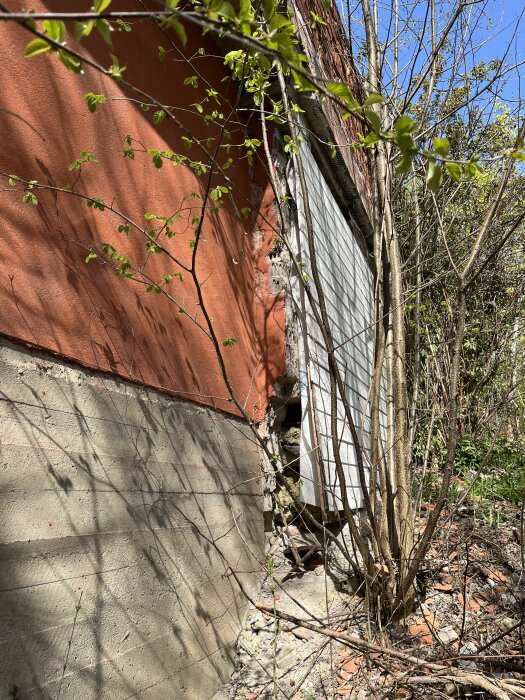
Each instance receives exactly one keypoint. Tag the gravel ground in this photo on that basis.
(471, 592)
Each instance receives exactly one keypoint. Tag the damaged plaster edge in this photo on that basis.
(286, 388)
(57, 365)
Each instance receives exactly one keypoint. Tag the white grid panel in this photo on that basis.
(348, 289)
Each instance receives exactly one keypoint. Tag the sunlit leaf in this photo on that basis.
(35, 47)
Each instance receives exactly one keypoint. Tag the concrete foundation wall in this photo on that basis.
(112, 495)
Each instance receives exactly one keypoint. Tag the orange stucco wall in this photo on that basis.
(51, 299)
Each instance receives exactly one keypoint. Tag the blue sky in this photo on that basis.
(495, 30)
(509, 31)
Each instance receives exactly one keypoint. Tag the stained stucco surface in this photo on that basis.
(52, 300)
(125, 501)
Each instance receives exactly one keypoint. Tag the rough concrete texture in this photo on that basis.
(118, 497)
(285, 659)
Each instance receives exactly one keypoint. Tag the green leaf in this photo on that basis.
(245, 10)
(84, 157)
(93, 100)
(404, 164)
(442, 147)
(83, 29)
(96, 203)
(159, 116)
(289, 145)
(35, 47)
(78, 30)
(226, 10)
(116, 69)
(101, 5)
(192, 80)
(217, 192)
(374, 120)
(55, 29)
(104, 29)
(153, 247)
(301, 83)
(123, 26)
(454, 170)
(123, 269)
(434, 176)
(178, 27)
(270, 6)
(30, 198)
(71, 62)
(405, 125)
(127, 150)
(316, 19)
(199, 167)
(429, 172)
(371, 139)
(406, 144)
(90, 257)
(229, 342)
(162, 53)
(472, 170)
(373, 99)
(343, 92)
(518, 154)
(278, 22)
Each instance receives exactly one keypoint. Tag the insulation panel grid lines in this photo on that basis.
(348, 288)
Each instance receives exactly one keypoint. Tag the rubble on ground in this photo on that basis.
(471, 603)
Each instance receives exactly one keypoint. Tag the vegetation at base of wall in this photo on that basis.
(489, 477)
(501, 464)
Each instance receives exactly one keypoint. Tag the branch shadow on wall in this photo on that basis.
(127, 497)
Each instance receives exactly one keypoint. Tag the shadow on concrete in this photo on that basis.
(139, 503)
